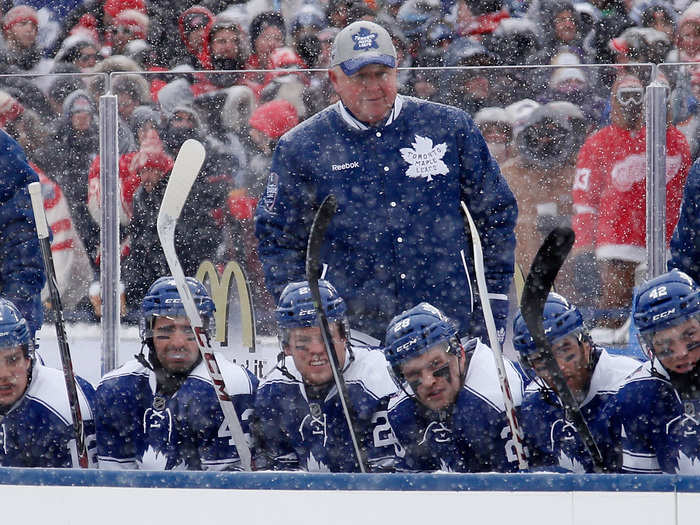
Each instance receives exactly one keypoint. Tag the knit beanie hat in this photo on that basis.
(20, 13)
(10, 108)
(114, 7)
(135, 20)
(274, 118)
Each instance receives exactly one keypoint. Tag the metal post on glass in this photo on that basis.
(656, 97)
(109, 232)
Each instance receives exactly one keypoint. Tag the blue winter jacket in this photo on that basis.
(396, 237)
(21, 267)
(685, 243)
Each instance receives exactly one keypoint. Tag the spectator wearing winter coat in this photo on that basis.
(559, 30)
(225, 48)
(128, 25)
(74, 272)
(541, 175)
(613, 21)
(20, 53)
(656, 14)
(196, 236)
(79, 50)
(609, 196)
(77, 139)
(194, 24)
(147, 127)
(267, 32)
(132, 91)
(267, 124)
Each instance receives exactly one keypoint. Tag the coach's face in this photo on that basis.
(369, 94)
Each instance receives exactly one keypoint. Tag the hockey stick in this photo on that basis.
(42, 231)
(185, 170)
(543, 271)
(511, 416)
(313, 271)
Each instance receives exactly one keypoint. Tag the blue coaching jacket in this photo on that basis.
(396, 237)
(685, 243)
(21, 267)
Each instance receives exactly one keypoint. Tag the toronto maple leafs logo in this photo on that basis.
(571, 464)
(424, 159)
(316, 465)
(687, 464)
(365, 40)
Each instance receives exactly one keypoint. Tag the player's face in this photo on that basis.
(175, 344)
(572, 356)
(434, 377)
(309, 353)
(14, 375)
(369, 94)
(678, 347)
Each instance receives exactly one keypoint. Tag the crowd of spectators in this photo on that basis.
(232, 74)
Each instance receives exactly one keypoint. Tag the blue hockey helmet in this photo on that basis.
(13, 328)
(415, 331)
(163, 300)
(560, 318)
(296, 308)
(665, 301)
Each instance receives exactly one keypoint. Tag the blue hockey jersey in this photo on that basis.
(396, 236)
(21, 268)
(137, 428)
(294, 431)
(661, 431)
(552, 441)
(473, 436)
(37, 431)
(685, 243)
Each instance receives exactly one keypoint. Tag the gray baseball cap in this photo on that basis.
(362, 43)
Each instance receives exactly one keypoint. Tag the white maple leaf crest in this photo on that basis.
(153, 459)
(315, 465)
(687, 465)
(424, 159)
(570, 464)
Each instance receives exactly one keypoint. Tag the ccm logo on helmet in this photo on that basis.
(406, 345)
(307, 312)
(663, 314)
(172, 301)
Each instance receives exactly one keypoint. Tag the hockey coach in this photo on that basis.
(399, 167)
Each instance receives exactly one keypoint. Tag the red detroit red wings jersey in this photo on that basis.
(609, 191)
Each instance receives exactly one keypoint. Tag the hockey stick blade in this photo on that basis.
(545, 267)
(42, 231)
(185, 170)
(313, 272)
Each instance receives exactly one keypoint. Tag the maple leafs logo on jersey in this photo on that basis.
(687, 465)
(424, 159)
(570, 464)
(315, 465)
(153, 459)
